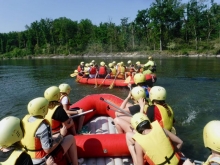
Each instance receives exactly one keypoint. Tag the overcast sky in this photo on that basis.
(15, 14)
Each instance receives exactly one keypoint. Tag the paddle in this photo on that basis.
(115, 106)
(96, 80)
(112, 84)
(83, 113)
(195, 161)
(78, 79)
(103, 80)
(73, 74)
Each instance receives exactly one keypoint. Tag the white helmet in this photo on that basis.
(139, 78)
(138, 92)
(211, 135)
(157, 93)
(65, 88)
(52, 93)
(10, 131)
(38, 107)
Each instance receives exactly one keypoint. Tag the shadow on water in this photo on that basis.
(193, 90)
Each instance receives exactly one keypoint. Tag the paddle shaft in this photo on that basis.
(112, 84)
(104, 80)
(96, 80)
(195, 161)
(115, 106)
(83, 113)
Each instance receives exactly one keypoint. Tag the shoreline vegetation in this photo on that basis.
(118, 55)
(165, 29)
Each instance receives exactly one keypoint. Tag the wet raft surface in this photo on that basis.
(103, 125)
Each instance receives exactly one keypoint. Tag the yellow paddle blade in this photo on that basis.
(128, 79)
(73, 74)
(111, 86)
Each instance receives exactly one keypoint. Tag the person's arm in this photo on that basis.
(141, 102)
(68, 123)
(177, 142)
(188, 162)
(139, 154)
(123, 104)
(44, 133)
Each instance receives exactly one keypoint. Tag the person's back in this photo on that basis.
(102, 70)
(11, 152)
(56, 115)
(160, 110)
(65, 101)
(155, 142)
(150, 66)
(38, 140)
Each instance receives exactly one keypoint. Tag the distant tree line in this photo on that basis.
(167, 25)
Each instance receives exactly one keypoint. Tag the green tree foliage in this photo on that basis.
(165, 25)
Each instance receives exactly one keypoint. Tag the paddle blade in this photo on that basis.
(73, 74)
(111, 86)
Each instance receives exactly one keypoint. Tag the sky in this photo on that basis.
(15, 14)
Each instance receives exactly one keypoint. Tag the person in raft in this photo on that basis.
(65, 101)
(122, 121)
(80, 68)
(139, 80)
(102, 71)
(155, 109)
(38, 140)
(211, 136)
(56, 115)
(159, 145)
(11, 152)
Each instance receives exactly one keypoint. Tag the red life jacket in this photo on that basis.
(102, 70)
(92, 70)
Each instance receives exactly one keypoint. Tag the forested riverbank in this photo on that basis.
(169, 28)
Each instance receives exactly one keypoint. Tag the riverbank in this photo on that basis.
(156, 55)
(126, 55)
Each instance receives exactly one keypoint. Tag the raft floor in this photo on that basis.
(103, 125)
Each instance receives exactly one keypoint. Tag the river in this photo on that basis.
(192, 84)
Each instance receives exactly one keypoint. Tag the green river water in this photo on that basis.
(192, 84)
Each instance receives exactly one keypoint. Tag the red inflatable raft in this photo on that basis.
(106, 82)
(103, 144)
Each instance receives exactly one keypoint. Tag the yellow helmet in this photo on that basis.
(81, 63)
(93, 61)
(137, 119)
(65, 88)
(87, 65)
(150, 58)
(157, 93)
(129, 61)
(138, 92)
(52, 93)
(38, 106)
(138, 63)
(139, 78)
(91, 64)
(122, 63)
(113, 62)
(75, 71)
(211, 135)
(10, 131)
(102, 63)
(110, 65)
